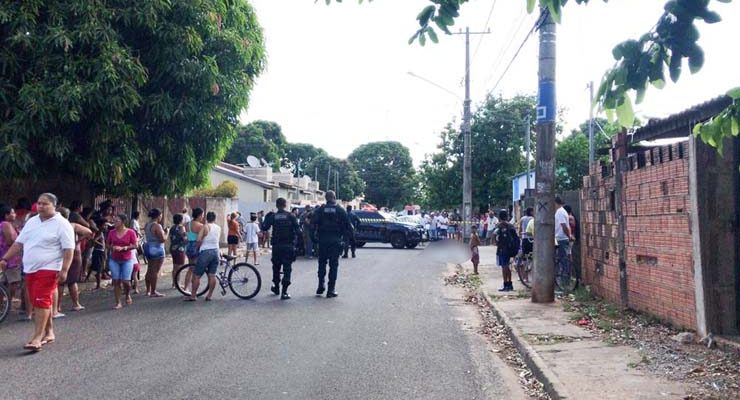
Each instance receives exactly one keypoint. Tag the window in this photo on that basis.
(264, 196)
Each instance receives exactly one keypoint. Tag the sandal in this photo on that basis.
(189, 299)
(34, 348)
(78, 308)
(208, 299)
(48, 340)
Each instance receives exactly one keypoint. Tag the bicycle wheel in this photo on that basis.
(4, 303)
(566, 278)
(524, 269)
(183, 280)
(244, 281)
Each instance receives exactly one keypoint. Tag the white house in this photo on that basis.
(519, 184)
(254, 194)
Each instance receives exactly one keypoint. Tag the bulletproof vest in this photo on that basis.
(329, 219)
(282, 228)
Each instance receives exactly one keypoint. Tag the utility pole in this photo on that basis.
(543, 288)
(467, 211)
(591, 124)
(528, 146)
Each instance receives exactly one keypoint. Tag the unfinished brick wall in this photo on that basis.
(658, 246)
(599, 260)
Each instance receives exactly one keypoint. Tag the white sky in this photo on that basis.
(337, 76)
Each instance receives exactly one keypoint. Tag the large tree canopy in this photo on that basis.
(327, 167)
(301, 154)
(571, 153)
(257, 139)
(132, 97)
(497, 144)
(387, 170)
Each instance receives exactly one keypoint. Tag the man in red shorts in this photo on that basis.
(48, 242)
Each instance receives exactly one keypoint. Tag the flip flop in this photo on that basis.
(208, 299)
(156, 295)
(189, 299)
(33, 348)
(48, 341)
(80, 308)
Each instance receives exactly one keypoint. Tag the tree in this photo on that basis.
(497, 142)
(253, 140)
(350, 184)
(571, 153)
(303, 153)
(387, 170)
(133, 98)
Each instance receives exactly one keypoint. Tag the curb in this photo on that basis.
(536, 364)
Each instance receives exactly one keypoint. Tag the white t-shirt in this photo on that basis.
(186, 219)
(433, 223)
(561, 217)
(44, 243)
(492, 223)
(250, 232)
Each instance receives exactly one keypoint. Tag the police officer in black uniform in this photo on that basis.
(284, 236)
(350, 242)
(330, 225)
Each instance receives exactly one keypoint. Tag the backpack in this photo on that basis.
(508, 240)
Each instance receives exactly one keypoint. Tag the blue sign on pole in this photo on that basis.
(546, 111)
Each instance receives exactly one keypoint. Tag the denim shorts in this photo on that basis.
(503, 261)
(154, 250)
(207, 262)
(121, 270)
(192, 249)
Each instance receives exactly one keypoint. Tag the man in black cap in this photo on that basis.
(330, 225)
(285, 231)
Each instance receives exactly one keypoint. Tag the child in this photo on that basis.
(251, 230)
(98, 257)
(474, 243)
(507, 246)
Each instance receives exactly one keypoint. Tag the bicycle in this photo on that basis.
(566, 279)
(4, 299)
(242, 278)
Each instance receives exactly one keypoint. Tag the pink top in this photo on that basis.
(128, 239)
(14, 262)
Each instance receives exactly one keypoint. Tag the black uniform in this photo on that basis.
(330, 226)
(350, 242)
(285, 232)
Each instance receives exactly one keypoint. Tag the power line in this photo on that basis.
(488, 22)
(535, 27)
(507, 45)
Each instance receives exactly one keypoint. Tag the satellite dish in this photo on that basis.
(253, 162)
(264, 162)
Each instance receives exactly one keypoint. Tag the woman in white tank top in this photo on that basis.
(209, 239)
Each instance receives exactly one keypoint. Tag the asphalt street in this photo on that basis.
(394, 332)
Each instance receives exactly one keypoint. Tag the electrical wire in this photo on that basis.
(535, 27)
(513, 32)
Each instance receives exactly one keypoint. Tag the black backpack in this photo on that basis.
(508, 240)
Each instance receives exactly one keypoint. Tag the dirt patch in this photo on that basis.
(496, 333)
(715, 373)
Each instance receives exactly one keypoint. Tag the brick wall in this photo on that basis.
(657, 234)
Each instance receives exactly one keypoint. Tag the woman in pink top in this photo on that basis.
(121, 241)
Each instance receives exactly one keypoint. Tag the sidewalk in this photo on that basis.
(567, 359)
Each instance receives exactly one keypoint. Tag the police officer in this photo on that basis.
(330, 225)
(349, 242)
(284, 235)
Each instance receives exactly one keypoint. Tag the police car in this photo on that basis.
(377, 227)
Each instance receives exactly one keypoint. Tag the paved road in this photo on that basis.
(395, 332)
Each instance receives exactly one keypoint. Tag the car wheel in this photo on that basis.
(398, 241)
(412, 245)
(360, 244)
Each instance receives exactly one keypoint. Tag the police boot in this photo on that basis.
(321, 288)
(353, 254)
(331, 293)
(275, 289)
(285, 295)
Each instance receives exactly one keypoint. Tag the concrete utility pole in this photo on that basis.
(591, 124)
(543, 287)
(467, 209)
(528, 146)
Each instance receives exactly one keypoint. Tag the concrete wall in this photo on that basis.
(251, 196)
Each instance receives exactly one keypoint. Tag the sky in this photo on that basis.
(343, 75)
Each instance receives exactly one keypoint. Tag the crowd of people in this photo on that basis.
(51, 247)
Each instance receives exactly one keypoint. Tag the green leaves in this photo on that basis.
(135, 98)
(723, 125)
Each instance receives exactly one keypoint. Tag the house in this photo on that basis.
(254, 194)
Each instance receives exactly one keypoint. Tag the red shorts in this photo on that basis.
(41, 286)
